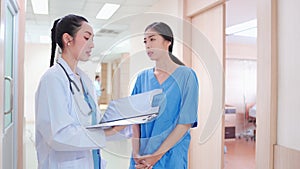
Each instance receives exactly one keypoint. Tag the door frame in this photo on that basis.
(14, 7)
(266, 78)
(267, 82)
(215, 141)
(2, 7)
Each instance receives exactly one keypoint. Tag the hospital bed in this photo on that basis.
(250, 132)
(252, 112)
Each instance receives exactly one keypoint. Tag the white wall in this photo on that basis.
(288, 74)
(37, 61)
(168, 11)
(241, 51)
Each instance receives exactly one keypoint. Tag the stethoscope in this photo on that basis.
(78, 90)
(85, 93)
(70, 80)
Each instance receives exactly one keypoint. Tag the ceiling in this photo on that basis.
(40, 25)
(239, 11)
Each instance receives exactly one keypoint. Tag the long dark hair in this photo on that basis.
(165, 31)
(68, 24)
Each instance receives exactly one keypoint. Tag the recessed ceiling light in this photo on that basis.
(248, 28)
(40, 6)
(107, 11)
(249, 33)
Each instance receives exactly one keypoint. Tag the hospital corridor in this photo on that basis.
(224, 77)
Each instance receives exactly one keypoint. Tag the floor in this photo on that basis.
(114, 153)
(31, 160)
(240, 153)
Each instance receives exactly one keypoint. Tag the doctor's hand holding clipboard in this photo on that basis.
(135, 109)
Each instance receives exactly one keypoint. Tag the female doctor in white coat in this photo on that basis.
(66, 103)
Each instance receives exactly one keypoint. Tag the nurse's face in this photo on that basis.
(82, 44)
(156, 45)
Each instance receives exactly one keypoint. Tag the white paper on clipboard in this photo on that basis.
(135, 109)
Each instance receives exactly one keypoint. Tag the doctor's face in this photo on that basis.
(156, 45)
(82, 43)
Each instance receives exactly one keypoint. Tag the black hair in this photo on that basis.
(68, 24)
(96, 77)
(165, 31)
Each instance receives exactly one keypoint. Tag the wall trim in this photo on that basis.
(205, 8)
(286, 158)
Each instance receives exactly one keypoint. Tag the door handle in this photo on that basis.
(10, 80)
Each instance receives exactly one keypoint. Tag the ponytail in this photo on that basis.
(175, 59)
(53, 39)
(69, 24)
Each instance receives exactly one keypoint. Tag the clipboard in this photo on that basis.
(135, 109)
(126, 121)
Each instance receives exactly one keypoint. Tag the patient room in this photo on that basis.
(240, 105)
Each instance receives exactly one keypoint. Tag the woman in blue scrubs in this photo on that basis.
(164, 142)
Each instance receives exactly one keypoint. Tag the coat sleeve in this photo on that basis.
(55, 121)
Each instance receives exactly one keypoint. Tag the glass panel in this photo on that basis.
(8, 64)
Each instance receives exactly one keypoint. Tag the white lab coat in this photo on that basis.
(62, 142)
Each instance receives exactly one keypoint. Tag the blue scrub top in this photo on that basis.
(178, 105)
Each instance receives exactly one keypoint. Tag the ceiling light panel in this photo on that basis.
(248, 33)
(40, 6)
(252, 24)
(107, 11)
